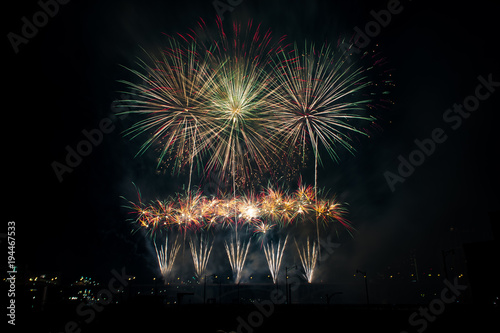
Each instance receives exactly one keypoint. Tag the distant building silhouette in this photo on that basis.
(483, 265)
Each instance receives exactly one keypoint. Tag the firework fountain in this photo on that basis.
(274, 254)
(237, 253)
(200, 252)
(166, 257)
(308, 256)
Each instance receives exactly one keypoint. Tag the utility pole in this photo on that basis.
(416, 269)
(366, 286)
(205, 290)
(329, 297)
(205, 287)
(444, 253)
(238, 293)
(287, 291)
(220, 291)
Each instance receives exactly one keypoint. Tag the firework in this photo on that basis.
(265, 215)
(237, 102)
(237, 254)
(272, 202)
(320, 99)
(187, 212)
(308, 257)
(273, 256)
(240, 97)
(200, 252)
(151, 217)
(166, 257)
(172, 100)
(320, 94)
(272, 208)
(262, 227)
(327, 210)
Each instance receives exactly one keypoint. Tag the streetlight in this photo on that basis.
(288, 293)
(329, 297)
(366, 286)
(205, 287)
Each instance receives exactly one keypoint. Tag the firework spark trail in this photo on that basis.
(308, 258)
(166, 258)
(200, 252)
(274, 254)
(237, 254)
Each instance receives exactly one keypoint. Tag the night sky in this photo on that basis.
(64, 81)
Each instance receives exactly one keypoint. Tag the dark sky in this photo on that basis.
(64, 80)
